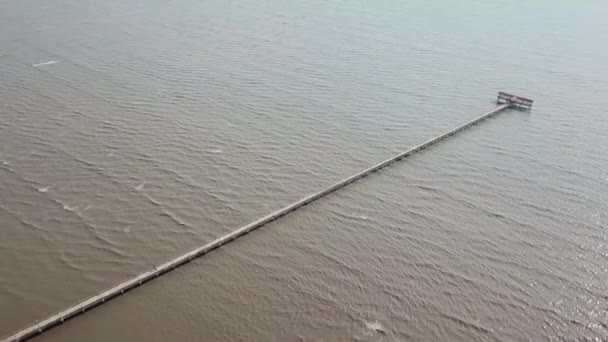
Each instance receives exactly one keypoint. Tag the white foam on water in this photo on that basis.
(364, 218)
(69, 207)
(45, 189)
(216, 151)
(45, 63)
(5, 163)
(140, 186)
(375, 327)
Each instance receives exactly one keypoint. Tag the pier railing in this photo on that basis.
(515, 101)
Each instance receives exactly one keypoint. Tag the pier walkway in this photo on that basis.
(159, 270)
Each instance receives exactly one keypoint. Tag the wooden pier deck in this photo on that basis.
(159, 270)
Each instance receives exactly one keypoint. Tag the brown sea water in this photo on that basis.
(133, 131)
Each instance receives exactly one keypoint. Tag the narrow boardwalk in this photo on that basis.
(128, 285)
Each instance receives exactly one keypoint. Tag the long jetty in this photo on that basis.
(78, 309)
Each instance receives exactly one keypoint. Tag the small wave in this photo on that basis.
(5, 163)
(45, 189)
(45, 63)
(77, 209)
(364, 218)
(474, 325)
(375, 327)
(140, 186)
(216, 151)
(69, 207)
